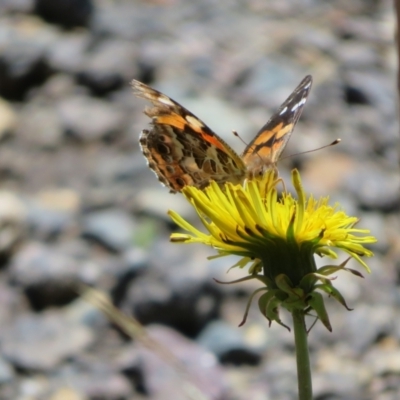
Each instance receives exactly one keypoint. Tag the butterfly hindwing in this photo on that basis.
(181, 149)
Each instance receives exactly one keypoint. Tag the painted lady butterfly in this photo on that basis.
(182, 150)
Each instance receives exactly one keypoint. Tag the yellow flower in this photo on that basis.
(278, 235)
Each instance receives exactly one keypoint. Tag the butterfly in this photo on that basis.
(182, 150)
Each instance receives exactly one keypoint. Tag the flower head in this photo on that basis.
(278, 235)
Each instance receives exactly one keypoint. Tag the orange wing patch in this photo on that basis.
(264, 150)
(173, 120)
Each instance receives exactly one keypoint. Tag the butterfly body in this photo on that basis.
(182, 150)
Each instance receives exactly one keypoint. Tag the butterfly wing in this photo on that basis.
(181, 149)
(265, 149)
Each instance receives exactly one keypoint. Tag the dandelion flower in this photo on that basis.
(278, 236)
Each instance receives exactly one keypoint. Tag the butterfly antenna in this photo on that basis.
(239, 137)
(245, 143)
(334, 143)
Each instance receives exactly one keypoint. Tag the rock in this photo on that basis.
(109, 66)
(119, 169)
(134, 261)
(158, 201)
(276, 78)
(94, 384)
(67, 13)
(317, 38)
(353, 54)
(62, 199)
(23, 63)
(12, 222)
(383, 357)
(36, 385)
(66, 393)
(8, 119)
(49, 277)
(69, 55)
(40, 126)
(322, 174)
(56, 88)
(362, 335)
(111, 228)
(43, 341)
(228, 344)
(22, 6)
(53, 212)
(380, 228)
(81, 312)
(48, 223)
(358, 28)
(279, 371)
(354, 95)
(373, 187)
(184, 301)
(375, 88)
(88, 119)
(338, 376)
(12, 303)
(124, 21)
(365, 133)
(177, 358)
(6, 372)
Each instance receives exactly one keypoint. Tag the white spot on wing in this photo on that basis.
(299, 104)
(165, 100)
(194, 121)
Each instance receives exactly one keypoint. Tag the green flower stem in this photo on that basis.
(302, 356)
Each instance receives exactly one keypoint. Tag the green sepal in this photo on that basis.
(308, 282)
(332, 291)
(264, 300)
(249, 304)
(261, 278)
(269, 307)
(256, 267)
(284, 283)
(265, 280)
(316, 302)
(331, 269)
(272, 312)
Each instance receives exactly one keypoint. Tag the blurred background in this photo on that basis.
(78, 203)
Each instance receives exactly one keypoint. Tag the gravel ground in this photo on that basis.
(78, 203)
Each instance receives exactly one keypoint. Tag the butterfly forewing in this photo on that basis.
(265, 149)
